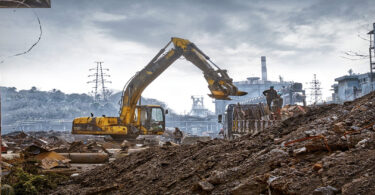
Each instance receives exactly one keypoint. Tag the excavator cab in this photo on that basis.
(150, 118)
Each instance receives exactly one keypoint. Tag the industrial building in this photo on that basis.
(198, 108)
(292, 92)
(200, 121)
(352, 86)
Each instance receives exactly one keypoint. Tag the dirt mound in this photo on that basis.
(328, 150)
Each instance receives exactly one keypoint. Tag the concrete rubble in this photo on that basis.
(53, 157)
(292, 110)
(330, 149)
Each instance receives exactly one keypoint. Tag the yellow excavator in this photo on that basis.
(136, 119)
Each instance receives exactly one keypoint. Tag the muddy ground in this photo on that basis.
(337, 156)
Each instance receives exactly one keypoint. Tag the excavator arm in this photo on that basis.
(219, 83)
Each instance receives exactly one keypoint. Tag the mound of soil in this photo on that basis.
(328, 150)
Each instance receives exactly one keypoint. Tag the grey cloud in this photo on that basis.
(152, 23)
(322, 10)
(149, 22)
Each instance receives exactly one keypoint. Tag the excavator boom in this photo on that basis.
(219, 83)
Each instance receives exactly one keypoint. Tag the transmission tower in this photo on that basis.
(316, 91)
(99, 82)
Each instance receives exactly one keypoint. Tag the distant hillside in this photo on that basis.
(43, 110)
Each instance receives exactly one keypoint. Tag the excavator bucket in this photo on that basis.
(240, 93)
(220, 95)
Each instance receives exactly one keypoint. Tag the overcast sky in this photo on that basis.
(299, 38)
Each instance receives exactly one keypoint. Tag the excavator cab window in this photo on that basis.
(157, 115)
(144, 117)
(157, 119)
(136, 115)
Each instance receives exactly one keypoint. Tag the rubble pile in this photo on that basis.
(328, 150)
(292, 110)
(62, 142)
(37, 161)
(83, 147)
(51, 140)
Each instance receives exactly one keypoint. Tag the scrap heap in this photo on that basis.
(328, 150)
(34, 162)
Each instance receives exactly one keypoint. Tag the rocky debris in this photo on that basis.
(189, 139)
(46, 156)
(339, 127)
(19, 140)
(150, 140)
(168, 143)
(292, 110)
(52, 159)
(60, 142)
(84, 147)
(299, 151)
(33, 150)
(317, 166)
(125, 145)
(291, 161)
(206, 186)
(329, 190)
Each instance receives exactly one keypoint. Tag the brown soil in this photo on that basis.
(340, 161)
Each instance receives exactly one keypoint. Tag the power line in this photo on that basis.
(40, 31)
